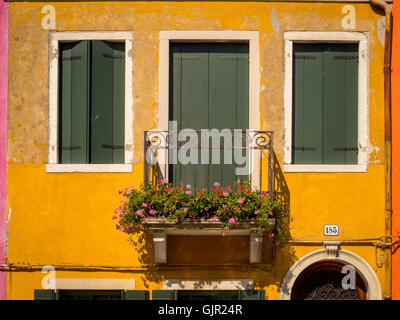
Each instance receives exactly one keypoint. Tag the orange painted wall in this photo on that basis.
(396, 148)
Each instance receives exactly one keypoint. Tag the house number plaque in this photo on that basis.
(331, 230)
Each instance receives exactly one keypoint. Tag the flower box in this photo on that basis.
(201, 226)
(165, 209)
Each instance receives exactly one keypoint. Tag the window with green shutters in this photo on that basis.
(91, 102)
(325, 103)
(48, 294)
(208, 295)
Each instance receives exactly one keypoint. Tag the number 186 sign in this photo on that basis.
(331, 230)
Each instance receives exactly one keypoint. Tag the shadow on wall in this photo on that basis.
(143, 243)
(284, 256)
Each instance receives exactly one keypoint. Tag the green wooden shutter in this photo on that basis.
(340, 104)
(252, 295)
(136, 295)
(108, 102)
(189, 79)
(73, 102)
(164, 295)
(228, 99)
(44, 294)
(307, 104)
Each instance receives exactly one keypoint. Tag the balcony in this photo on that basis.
(199, 159)
(255, 148)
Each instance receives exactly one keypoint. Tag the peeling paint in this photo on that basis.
(380, 25)
(275, 22)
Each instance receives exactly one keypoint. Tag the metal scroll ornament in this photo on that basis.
(329, 292)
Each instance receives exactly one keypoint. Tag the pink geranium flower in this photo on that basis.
(225, 194)
(152, 212)
(240, 201)
(145, 205)
(188, 192)
(139, 212)
(232, 220)
(216, 184)
(271, 235)
(215, 219)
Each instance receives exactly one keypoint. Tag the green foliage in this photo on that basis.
(228, 205)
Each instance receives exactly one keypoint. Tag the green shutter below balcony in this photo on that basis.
(108, 102)
(44, 294)
(164, 295)
(252, 295)
(136, 295)
(209, 90)
(73, 102)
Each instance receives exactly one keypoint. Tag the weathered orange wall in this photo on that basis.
(396, 149)
(65, 218)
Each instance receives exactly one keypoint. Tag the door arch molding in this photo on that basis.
(362, 267)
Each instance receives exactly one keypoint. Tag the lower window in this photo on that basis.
(48, 294)
(208, 295)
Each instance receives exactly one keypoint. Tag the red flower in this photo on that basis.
(241, 187)
(167, 189)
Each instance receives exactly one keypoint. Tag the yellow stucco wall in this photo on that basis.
(65, 218)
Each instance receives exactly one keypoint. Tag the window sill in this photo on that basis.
(55, 167)
(324, 168)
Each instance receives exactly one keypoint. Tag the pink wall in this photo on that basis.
(3, 140)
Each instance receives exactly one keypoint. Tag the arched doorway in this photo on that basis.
(331, 253)
(323, 281)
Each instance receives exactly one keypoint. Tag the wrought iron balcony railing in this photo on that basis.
(202, 157)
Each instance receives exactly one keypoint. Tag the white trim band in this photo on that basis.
(208, 284)
(94, 284)
(54, 168)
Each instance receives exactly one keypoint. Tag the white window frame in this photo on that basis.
(361, 39)
(53, 164)
(251, 37)
(208, 284)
